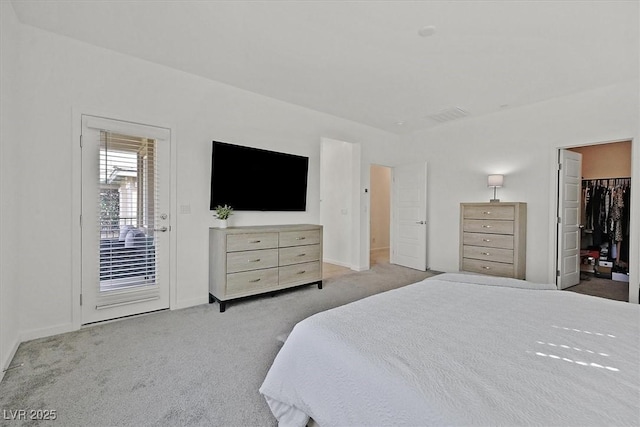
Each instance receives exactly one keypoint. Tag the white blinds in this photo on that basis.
(128, 198)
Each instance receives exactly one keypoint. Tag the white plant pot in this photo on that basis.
(223, 223)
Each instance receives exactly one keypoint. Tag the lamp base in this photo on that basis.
(494, 201)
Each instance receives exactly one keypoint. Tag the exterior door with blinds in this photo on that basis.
(125, 218)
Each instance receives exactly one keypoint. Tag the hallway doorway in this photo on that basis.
(380, 215)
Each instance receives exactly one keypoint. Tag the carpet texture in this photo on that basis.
(189, 367)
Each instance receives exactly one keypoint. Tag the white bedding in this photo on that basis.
(459, 349)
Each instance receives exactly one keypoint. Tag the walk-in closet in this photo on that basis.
(605, 219)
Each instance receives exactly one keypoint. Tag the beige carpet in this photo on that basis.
(190, 367)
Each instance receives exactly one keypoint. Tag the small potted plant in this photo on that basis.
(223, 213)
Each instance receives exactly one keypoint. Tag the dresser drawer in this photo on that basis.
(299, 254)
(248, 282)
(489, 212)
(488, 226)
(251, 260)
(297, 238)
(300, 273)
(489, 254)
(244, 242)
(488, 267)
(489, 240)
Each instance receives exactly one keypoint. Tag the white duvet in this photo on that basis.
(459, 349)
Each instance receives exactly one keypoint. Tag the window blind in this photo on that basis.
(127, 181)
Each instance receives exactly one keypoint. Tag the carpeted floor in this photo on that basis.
(603, 288)
(190, 367)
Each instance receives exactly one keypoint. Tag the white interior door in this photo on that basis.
(125, 218)
(409, 216)
(569, 190)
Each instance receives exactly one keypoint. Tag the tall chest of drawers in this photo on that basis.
(245, 261)
(493, 238)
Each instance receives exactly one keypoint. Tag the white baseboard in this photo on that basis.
(34, 334)
(9, 358)
(191, 302)
(341, 264)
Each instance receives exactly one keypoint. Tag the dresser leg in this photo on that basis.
(211, 299)
(223, 306)
(320, 284)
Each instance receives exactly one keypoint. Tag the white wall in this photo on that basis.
(519, 143)
(9, 219)
(336, 195)
(59, 74)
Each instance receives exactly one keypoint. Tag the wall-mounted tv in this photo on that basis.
(252, 179)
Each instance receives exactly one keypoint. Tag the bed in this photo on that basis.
(462, 349)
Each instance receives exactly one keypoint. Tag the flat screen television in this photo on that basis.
(252, 179)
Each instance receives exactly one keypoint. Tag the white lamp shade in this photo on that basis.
(495, 180)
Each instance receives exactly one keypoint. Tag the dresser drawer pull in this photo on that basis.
(255, 260)
(487, 212)
(486, 268)
(302, 272)
(300, 238)
(254, 241)
(254, 280)
(486, 226)
(486, 240)
(486, 253)
(301, 254)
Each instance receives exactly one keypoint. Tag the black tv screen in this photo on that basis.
(252, 179)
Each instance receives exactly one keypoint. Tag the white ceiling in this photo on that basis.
(364, 60)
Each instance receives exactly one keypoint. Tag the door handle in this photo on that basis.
(421, 222)
(163, 229)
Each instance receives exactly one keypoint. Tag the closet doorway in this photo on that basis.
(380, 214)
(604, 220)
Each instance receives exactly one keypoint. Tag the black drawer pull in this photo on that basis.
(254, 241)
(254, 280)
(255, 260)
(486, 268)
(487, 212)
(486, 253)
(486, 240)
(486, 226)
(301, 255)
(300, 238)
(302, 272)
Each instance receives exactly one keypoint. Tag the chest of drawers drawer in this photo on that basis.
(488, 240)
(299, 254)
(251, 241)
(251, 260)
(300, 273)
(488, 226)
(488, 267)
(248, 282)
(297, 238)
(490, 212)
(489, 254)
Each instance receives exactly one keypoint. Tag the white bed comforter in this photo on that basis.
(459, 349)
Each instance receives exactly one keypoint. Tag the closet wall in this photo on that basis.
(605, 160)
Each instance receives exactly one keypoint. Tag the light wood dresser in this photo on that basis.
(493, 238)
(246, 261)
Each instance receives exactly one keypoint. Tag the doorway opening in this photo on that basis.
(604, 234)
(380, 215)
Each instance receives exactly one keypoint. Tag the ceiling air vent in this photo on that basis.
(448, 114)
